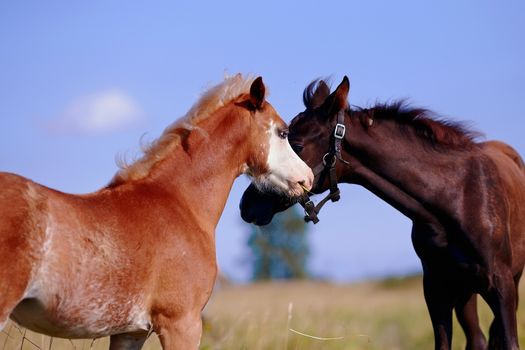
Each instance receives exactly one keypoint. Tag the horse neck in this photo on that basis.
(199, 174)
(399, 168)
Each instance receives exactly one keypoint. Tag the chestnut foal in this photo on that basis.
(139, 255)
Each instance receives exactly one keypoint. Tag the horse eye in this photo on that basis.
(297, 148)
(283, 134)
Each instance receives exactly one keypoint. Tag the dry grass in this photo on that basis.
(383, 315)
(364, 316)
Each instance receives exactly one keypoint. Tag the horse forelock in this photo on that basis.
(210, 101)
(316, 92)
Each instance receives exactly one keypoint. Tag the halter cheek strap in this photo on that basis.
(328, 164)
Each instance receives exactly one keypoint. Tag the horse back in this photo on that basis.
(507, 150)
(509, 165)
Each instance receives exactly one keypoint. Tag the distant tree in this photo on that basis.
(280, 250)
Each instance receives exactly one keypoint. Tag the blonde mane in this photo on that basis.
(210, 101)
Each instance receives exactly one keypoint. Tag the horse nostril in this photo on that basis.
(311, 180)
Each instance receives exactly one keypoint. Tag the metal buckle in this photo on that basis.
(339, 131)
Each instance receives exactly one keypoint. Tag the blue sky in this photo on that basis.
(81, 82)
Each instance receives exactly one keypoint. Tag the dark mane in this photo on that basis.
(429, 126)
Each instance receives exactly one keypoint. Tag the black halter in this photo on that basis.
(327, 165)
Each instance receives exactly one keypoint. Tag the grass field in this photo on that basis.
(389, 314)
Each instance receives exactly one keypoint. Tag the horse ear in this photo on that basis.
(317, 98)
(257, 93)
(338, 99)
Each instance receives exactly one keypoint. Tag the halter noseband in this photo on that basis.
(328, 164)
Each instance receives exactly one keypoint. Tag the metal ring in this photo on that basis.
(324, 160)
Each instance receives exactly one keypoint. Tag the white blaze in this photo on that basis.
(286, 169)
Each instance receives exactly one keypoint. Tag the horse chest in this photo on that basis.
(428, 241)
(447, 256)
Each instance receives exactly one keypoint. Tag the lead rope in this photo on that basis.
(329, 161)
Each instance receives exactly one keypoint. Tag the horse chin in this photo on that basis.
(272, 185)
(275, 185)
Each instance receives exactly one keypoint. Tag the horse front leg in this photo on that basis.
(440, 302)
(467, 315)
(181, 333)
(502, 299)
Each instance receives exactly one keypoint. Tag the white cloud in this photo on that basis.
(98, 113)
